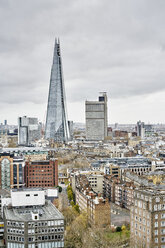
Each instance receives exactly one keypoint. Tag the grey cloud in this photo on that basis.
(111, 45)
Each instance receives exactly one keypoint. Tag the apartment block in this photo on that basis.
(95, 179)
(118, 191)
(109, 188)
(148, 218)
(97, 208)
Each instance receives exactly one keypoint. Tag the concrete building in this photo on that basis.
(96, 118)
(96, 182)
(148, 218)
(140, 129)
(4, 200)
(31, 221)
(41, 173)
(111, 169)
(70, 125)
(29, 130)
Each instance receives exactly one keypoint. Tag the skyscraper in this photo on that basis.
(140, 129)
(96, 118)
(56, 121)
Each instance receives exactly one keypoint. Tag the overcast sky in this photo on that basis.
(116, 46)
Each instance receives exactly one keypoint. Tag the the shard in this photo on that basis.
(56, 121)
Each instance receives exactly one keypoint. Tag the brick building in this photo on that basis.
(97, 208)
(41, 173)
(148, 218)
(118, 191)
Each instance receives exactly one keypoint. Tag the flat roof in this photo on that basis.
(46, 212)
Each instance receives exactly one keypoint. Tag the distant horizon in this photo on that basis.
(83, 123)
(121, 52)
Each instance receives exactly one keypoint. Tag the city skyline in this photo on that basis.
(120, 52)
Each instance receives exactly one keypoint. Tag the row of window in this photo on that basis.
(38, 182)
(162, 223)
(142, 213)
(162, 216)
(46, 223)
(140, 228)
(142, 220)
(162, 240)
(15, 238)
(46, 237)
(162, 231)
(143, 197)
(48, 245)
(140, 204)
(40, 245)
(142, 236)
(15, 224)
(15, 245)
(18, 231)
(49, 230)
(159, 207)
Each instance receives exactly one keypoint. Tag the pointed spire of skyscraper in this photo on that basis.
(56, 120)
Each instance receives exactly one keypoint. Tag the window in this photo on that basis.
(159, 206)
(156, 216)
(156, 224)
(27, 195)
(163, 239)
(156, 240)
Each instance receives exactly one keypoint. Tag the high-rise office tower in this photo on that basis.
(29, 130)
(140, 129)
(56, 121)
(96, 118)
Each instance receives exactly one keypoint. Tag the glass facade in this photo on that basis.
(15, 174)
(5, 173)
(20, 174)
(56, 122)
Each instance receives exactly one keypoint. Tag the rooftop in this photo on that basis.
(46, 212)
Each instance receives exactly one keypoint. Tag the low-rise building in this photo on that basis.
(97, 208)
(41, 173)
(118, 191)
